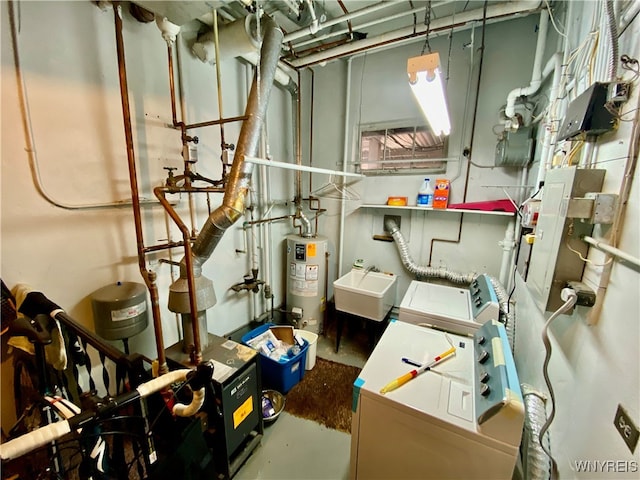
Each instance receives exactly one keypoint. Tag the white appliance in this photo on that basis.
(459, 310)
(463, 419)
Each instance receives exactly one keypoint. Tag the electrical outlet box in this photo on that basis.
(554, 261)
(585, 295)
(626, 428)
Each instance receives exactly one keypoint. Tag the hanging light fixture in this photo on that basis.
(425, 79)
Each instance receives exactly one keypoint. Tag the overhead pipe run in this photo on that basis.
(464, 20)
(303, 32)
(236, 40)
(239, 178)
(536, 75)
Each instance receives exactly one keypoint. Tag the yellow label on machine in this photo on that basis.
(311, 249)
(242, 412)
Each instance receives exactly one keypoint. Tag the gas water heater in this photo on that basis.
(306, 278)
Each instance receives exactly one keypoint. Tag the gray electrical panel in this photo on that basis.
(514, 149)
(553, 264)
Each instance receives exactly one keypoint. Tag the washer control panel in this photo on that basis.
(484, 301)
(498, 398)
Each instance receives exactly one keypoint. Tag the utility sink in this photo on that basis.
(366, 294)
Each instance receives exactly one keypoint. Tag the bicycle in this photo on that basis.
(81, 426)
(43, 400)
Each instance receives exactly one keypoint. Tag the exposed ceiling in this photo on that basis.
(343, 27)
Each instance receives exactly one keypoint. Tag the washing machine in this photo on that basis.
(455, 309)
(463, 419)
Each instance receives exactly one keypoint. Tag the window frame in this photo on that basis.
(439, 163)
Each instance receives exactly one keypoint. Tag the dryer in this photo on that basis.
(455, 309)
(463, 419)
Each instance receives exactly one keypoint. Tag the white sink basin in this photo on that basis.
(366, 294)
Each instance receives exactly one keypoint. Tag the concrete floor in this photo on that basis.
(295, 448)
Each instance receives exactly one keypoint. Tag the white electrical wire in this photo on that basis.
(570, 297)
(553, 22)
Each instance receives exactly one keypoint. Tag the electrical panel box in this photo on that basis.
(588, 114)
(553, 263)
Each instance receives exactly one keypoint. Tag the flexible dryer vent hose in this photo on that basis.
(455, 277)
(535, 462)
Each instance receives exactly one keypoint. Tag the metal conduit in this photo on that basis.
(612, 70)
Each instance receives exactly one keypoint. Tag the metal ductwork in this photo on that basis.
(232, 207)
(420, 271)
(239, 178)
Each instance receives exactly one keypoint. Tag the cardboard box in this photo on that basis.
(441, 193)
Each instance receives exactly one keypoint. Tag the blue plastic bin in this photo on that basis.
(281, 375)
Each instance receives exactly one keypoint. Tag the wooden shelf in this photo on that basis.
(442, 210)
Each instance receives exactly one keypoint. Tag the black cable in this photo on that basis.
(427, 22)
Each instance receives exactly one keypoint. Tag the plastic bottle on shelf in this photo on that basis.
(425, 194)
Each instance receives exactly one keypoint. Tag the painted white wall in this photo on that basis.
(74, 114)
(593, 368)
(76, 120)
(380, 93)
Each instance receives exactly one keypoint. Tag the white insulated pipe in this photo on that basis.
(235, 40)
(546, 154)
(628, 16)
(507, 244)
(303, 32)
(559, 71)
(616, 252)
(536, 76)
(345, 153)
(313, 28)
(302, 168)
(390, 18)
(439, 26)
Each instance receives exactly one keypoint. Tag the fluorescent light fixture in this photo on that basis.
(425, 79)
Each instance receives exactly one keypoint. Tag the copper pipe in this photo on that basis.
(164, 246)
(172, 90)
(346, 12)
(159, 192)
(192, 189)
(445, 240)
(266, 220)
(215, 122)
(324, 46)
(382, 44)
(148, 275)
(216, 44)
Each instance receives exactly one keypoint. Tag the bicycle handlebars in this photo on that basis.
(54, 431)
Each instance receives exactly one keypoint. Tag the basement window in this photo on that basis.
(387, 149)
